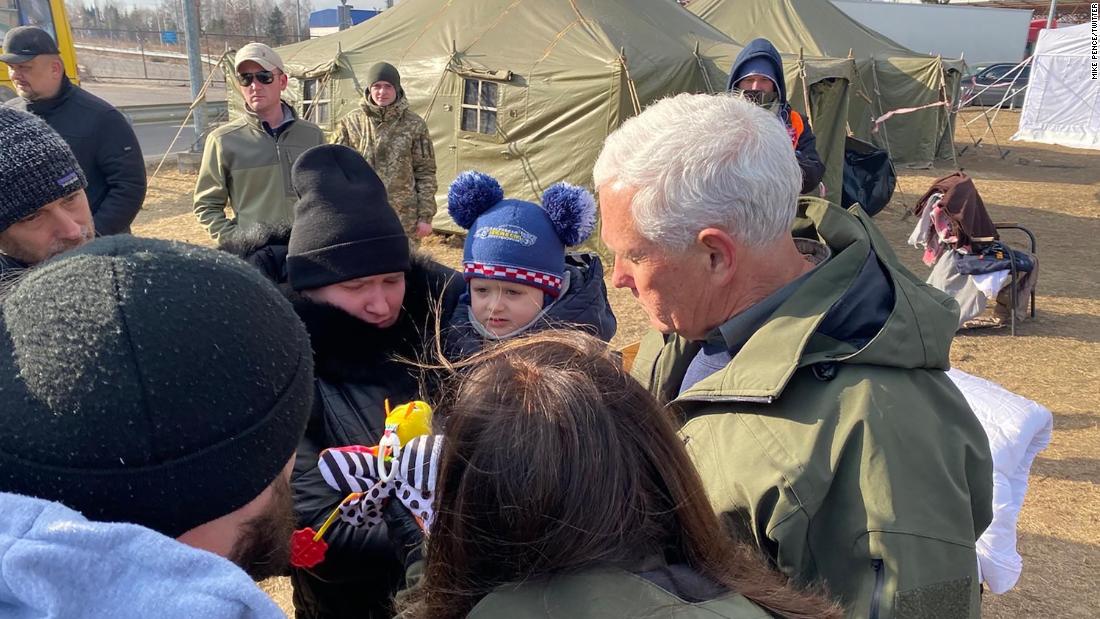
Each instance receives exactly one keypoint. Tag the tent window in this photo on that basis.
(314, 95)
(479, 106)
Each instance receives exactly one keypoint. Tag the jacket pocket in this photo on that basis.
(876, 593)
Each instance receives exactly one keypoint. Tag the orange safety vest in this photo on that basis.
(796, 127)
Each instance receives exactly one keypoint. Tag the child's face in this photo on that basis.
(502, 307)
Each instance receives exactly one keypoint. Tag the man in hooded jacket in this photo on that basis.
(758, 72)
(807, 362)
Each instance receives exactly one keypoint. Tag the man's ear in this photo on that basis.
(721, 251)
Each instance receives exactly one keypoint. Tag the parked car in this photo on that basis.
(990, 84)
(972, 70)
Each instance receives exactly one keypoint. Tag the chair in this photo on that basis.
(1015, 275)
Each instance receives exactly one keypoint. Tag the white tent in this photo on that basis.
(1062, 105)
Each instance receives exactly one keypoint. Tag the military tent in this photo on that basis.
(891, 76)
(527, 90)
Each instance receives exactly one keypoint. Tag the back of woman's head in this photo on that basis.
(554, 460)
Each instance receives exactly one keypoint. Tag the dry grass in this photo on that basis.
(1054, 360)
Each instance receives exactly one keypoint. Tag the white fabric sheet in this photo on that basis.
(1018, 429)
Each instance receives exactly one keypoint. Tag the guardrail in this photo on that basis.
(163, 112)
(211, 60)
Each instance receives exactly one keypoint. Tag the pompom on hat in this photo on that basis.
(516, 240)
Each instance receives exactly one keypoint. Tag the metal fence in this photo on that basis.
(159, 55)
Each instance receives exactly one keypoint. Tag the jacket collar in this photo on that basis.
(391, 111)
(255, 120)
(348, 349)
(732, 334)
(770, 356)
(831, 318)
(45, 106)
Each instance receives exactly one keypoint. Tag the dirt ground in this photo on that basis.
(1054, 359)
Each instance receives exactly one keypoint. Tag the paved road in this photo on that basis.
(155, 139)
(167, 82)
(121, 94)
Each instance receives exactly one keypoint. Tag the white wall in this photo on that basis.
(979, 34)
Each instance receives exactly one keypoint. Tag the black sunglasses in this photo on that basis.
(264, 77)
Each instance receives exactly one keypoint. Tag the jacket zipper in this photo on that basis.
(876, 564)
(287, 188)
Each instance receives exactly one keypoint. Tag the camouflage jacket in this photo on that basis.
(395, 142)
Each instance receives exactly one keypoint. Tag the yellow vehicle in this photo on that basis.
(48, 15)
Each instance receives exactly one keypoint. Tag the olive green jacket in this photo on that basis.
(857, 464)
(396, 144)
(605, 593)
(245, 168)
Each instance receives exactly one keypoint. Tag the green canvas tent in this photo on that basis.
(891, 76)
(527, 90)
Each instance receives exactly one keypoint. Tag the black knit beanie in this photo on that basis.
(344, 226)
(150, 382)
(36, 166)
(383, 72)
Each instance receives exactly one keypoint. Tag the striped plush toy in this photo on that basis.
(403, 466)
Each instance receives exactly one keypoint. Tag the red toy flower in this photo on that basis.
(307, 548)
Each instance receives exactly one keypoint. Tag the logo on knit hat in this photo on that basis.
(507, 232)
(68, 179)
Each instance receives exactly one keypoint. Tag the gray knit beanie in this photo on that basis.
(36, 166)
(150, 382)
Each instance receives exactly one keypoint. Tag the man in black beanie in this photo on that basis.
(370, 304)
(113, 360)
(43, 208)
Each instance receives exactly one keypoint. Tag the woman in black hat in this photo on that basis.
(370, 305)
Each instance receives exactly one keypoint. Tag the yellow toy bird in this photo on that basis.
(409, 420)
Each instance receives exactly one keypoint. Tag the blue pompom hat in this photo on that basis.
(516, 240)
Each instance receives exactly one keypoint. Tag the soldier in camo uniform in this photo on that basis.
(395, 141)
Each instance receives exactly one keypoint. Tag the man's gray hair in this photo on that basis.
(702, 161)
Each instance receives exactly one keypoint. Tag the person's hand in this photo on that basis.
(404, 531)
(423, 229)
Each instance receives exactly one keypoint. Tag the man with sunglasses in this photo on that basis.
(246, 162)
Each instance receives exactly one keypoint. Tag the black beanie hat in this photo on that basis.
(383, 72)
(344, 227)
(36, 166)
(150, 382)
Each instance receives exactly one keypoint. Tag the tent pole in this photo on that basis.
(805, 88)
(1008, 93)
(703, 69)
(947, 106)
(878, 99)
(1050, 12)
(630, 83)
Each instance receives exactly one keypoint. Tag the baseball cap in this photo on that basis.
(261, 55)
(23, 43)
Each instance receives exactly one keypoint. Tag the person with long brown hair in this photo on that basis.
(565, 491)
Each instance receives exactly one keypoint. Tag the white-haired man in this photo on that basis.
(808, 366)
